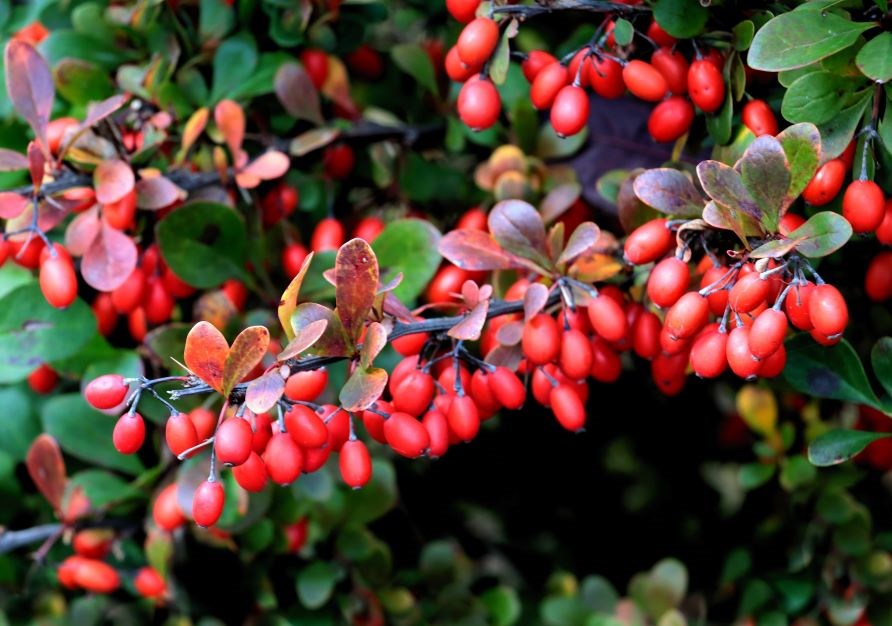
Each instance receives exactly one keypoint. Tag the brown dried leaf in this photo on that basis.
(288, 301)
(47, 469)
(374, 342)
(356, 271)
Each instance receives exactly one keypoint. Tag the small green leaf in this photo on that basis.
(796, 473)
(411, 58)
(833, 372)
(802, 147)
(375, 499)
(838, 132)
(754, 475)
(215, 19)
(682, 19)
(363, 388)
(719, 124)
(204, 243)
(503, 605)
(816, 97)
(885, 127)
(81, 82)
(550, 146)
(823, 233)
(234, 63)
(623, 32)
(19, 426)
(316, 582)
(501, 59)
(103, 488)
(799, 38)
(881, 361)
(875, 58)
(743, 35)
(725, 185)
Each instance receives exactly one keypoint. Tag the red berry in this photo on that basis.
(207, 503)
(608, 318)
(338, 161)
(660, 36)
(606, 366)
(251, 475)
(826, 183)
(477, 41)
(482, 392)
(263, 432)
(369, 228)
(668, 372)
(863, 205)
(740, 359)
(507, 388)
(648, 242)
(157, 302)
(328, 235)
(129, 433)
(106, 392)
(748, 293)
(58, 282)
(315, 63)
(878, 279)
(606, 78)
(646, 335)
(462, 10)
(306, 427)
(283, 458)
(789, 222)
(438, 431)
(180, 433)
(569, 112)
(414, 394)
(96, 576)
(548, 82)
(406, 435)
(233, 440)
(236, 293)
(644, 81)
(479, 103)
(687, 316)
(408, 345)
(67, 572)
(296, 534)
(708, 353)
(774, 363)
(576, 354)
(670, 119)
(149, 583)
(767, 333)
(706, 86)
(533, 64)
(668, 281)
(827, 310)
(293, 256)
(92, 543)
(205, 422)
(541, 341)
(129, 295)
(884, 231)
(796, 305)
(447, 281)
(673, 66)
(463, 417)
(355, 464)
(166, 511)
(759, 118)
(568, 408)
(121, 214)
(337, 421)
(307, 385)
(456, 69)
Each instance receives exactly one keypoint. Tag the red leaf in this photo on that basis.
(297, 94)
(374, 342)
(11, 161)
(263, 392)
(230, 120)
(471, 326)
(47, 469)
(534, 300)
(288, 301)
(475, 250)
(110, 260)
(113, 179)
(29, 84)
(268, 166)
(363, 388)
(246, 352)
(205, 354)
(305, 338)
(583, 239)
(95, 114)
(157, 192)
(510, 334)
(519, 229)
(12, 204)
(395, 307)
(356, 269)
(506, 356)
(559, 200)
(36, 164)
(334, 341)
(82, 231)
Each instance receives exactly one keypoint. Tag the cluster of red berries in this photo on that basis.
(86, 569)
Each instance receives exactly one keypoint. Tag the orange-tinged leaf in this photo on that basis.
(471, 326)
(205, 354)
(113, 179)
(246, 352)
(758, 408)
(230, 120)
(596, 267)
(363, 388)
(288, 301)
(29, 84)
(374, 342)
(193, 129)
(337, 84)
(264, 391)
(268, 166)
(47, 469)
(304, 338)
(334, 341)
(356, 272)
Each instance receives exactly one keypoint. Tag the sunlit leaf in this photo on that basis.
(246, 352)
(205, 354)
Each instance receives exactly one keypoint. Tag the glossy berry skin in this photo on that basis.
(355, 464)
(748, 293)
(548, 82)
(670, 119)
(580, 66)
(507, 388)
(767, 333)
(878, 278)
(568, 408)
(307, 385)
(129, 295)
(406, 435)
(96, 576)
(646, 335)
(166, 511)
(447, 281)
(644, 81)
(207, 503)
(864, 205)
(541, 341)
(67, 571)
(576, 357)
(673, 65)
(283, 458)
(438, 432)
(58, 281)
(759, 118)
(687, 316)
(648, 242)
(462, 10)
(251, 475)
(306, 427)
(456, 69)
(608, 318)
(535, 61)
(278, 203)
(477, 41)
(789, 222)
(315, 63)
(121, 214)
(149, 583)
(772, 365)
(796, 305)
(479, 103)
(129, 433)
(414, 393)
(706, 86)
(328, 235)
(463, 417)
(293, 256)
(827, 310)
(708, 353)
(569, 112)
(296, 534)
(232, 443)
(606, 78)
(93, 543)
(180, 434)
(205, 422)
(157, 302)
(884, 231)
(668, 282)
(106, 392)
(338, 161)
(740, 359)
(369, 228)
(606, 365)
(660, 36)
(668, 373)
(826, 183)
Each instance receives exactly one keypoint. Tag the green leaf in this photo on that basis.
(81, 82)
(501, 59)
(234, 64)
(765, 174)
(623, 31)
(598, 594)
(799, 38)
(816, 97)
(503, 605)
(802, 147)
(376, 498)
(411, 58)
(103, 488)
(754, 475)
(316, 582)
(796, 594)
(838, 132)
(743, 35)
(18, 426)
(262, 80)
(737, 565)
(550, 146)
(363, 388)
(215, 18)
(204, 243)
(796, 473)
(833, 372)
(33, 332)
(408, 246)
(885, 127)
(562, 611)
(719, 124)
(68, 44)
(725, 185)
(880, 359)
(875, 58)
(682, 19)
(823, 233)
(85, 433)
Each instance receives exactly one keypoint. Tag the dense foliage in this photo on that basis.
(400, 312)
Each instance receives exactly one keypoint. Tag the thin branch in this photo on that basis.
(524, 11)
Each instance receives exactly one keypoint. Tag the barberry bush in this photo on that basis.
(373, 312)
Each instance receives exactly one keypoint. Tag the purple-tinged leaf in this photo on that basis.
(29, 84)
(296, 93)
(83, 231)
(534, 300)
(264, 391)
(356, 269)
(157, 192)
(558, 200)
(288, 301)
(519, 229)
(12, 161)
(110, 260)
(334, 341)
(374, 342)
(113, 179)
(471, 325)
(363, 388)
(765, 174)
(725, 186)
(584, 239)
(669, 191)
(303, 340)
(775, 248)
